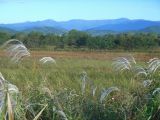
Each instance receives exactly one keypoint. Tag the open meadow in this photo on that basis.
(79, 59)
(82, 86)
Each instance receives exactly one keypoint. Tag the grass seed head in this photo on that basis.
(106, 92)
(157, 90)
(16, 50)
(154, 65)
(47, 60)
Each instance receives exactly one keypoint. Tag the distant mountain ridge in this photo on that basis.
(28, 25)
(71, 24)
(127, 26)
(108, 25)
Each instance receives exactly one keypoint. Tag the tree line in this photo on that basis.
(79, 39)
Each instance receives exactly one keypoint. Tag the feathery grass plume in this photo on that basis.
(60, 113)
(152, 59)
(84, 81)
(147, 83)
(72, 93)
(106, 92)
(139, 71)
(1, 78)
(157, 90)
(12, 41)
(15, 49)
(12, 88)
(10, 91)
(10, 111)
(154, 64)
(47, 60)
(122, 63)
(131, 59)
(94, 88)
(2, 96)
(47, 90)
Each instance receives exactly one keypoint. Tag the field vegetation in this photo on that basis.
(80, 86)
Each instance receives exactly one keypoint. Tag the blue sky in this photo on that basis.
(13, 11)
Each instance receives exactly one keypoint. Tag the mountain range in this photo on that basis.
(90, 26)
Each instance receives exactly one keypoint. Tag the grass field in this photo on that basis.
(61, 87)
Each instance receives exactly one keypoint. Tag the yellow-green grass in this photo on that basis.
(31, 77)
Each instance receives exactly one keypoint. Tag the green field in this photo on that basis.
(59, 86)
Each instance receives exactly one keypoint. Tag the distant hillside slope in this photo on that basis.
(151, 29)
(2, 29)
(46, 30)
(127, 26)
(100, 32)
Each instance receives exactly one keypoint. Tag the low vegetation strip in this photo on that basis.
(142, 56)
(82, 40)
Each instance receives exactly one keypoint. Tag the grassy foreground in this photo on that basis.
(59, 86)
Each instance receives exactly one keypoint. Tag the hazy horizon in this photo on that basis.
(18, 11)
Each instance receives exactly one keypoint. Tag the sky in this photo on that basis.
(14, 11)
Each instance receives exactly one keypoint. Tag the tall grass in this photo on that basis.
(63, 91)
